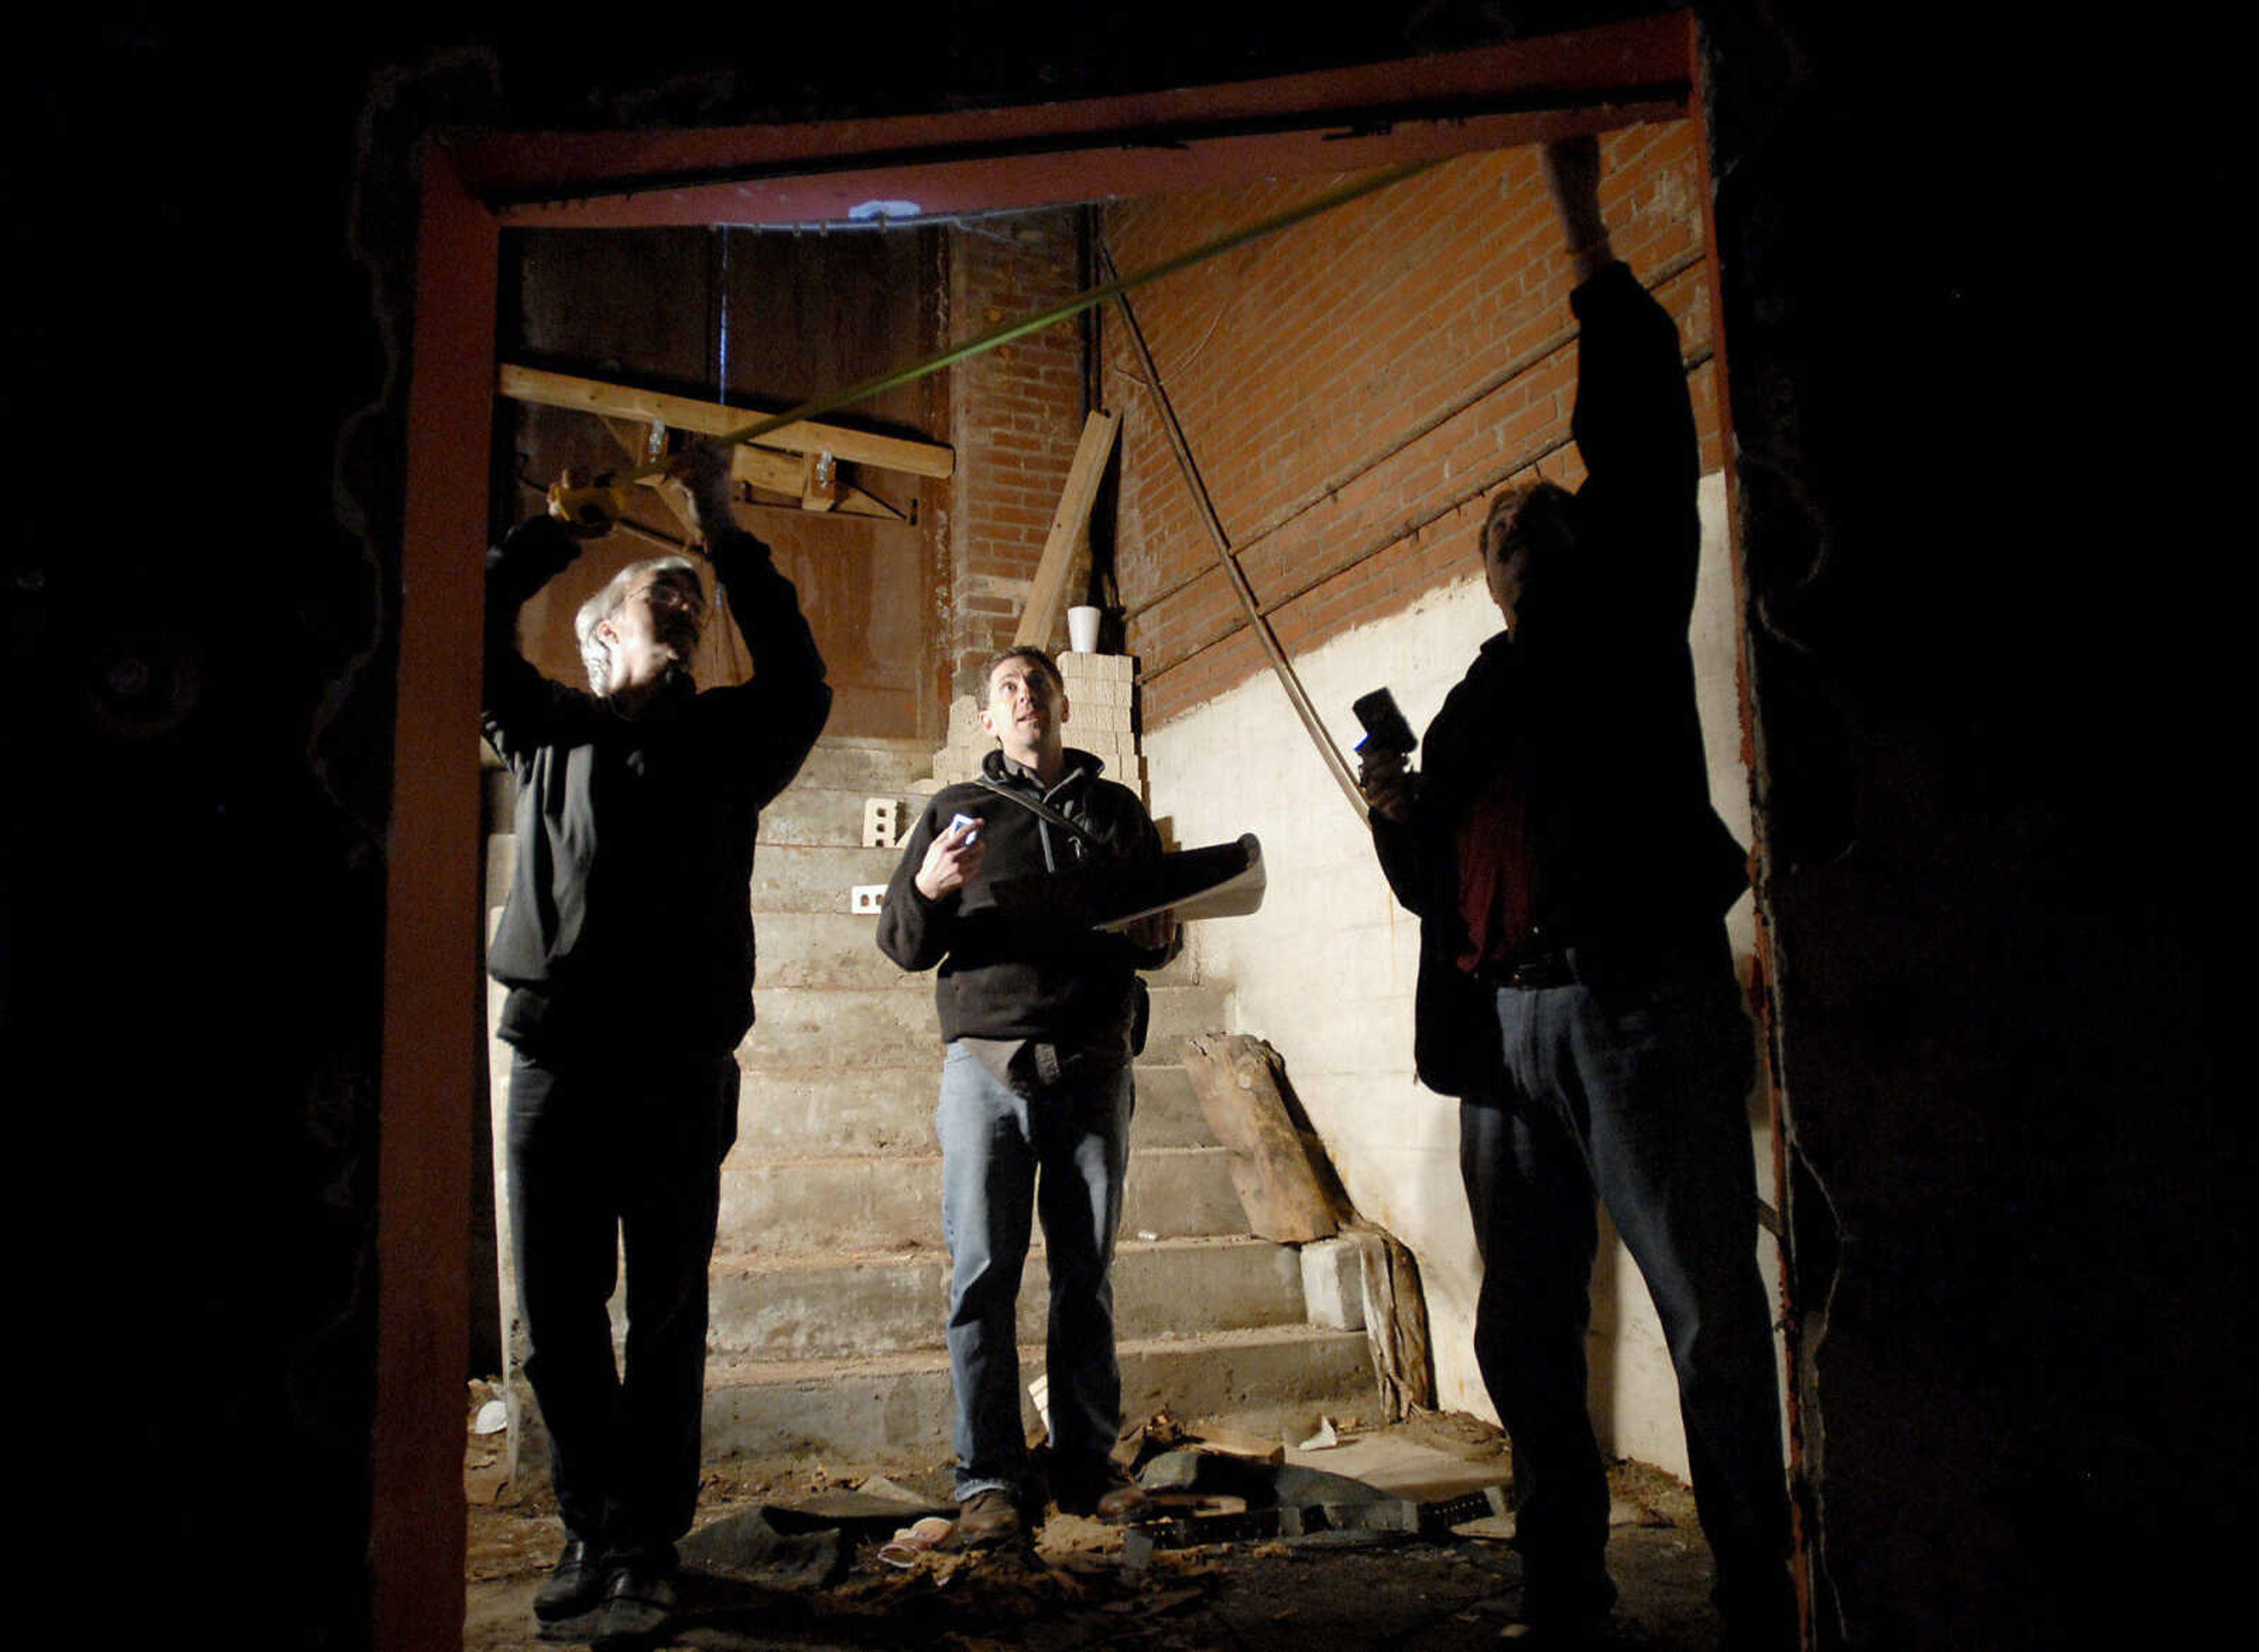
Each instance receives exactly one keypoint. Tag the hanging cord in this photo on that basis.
(1279, 663)
(575, 504)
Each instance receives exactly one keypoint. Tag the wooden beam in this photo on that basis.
(641, 442)
(786, 473)
(711, 418)
(1067, 523)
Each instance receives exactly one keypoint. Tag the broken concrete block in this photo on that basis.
(1333, 1286)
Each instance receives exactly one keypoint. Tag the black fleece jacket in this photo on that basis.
(630, 902)
(1056, 982)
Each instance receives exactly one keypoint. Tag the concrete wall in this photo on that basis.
(1325, 971)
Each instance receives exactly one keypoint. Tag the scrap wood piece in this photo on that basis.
(1239, 1444)
(1068, 524)
(712, 418)
(1273, 1164)
(1396, 1324)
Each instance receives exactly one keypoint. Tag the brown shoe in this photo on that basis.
(1118, 1505)
(989, 1520)
(1114, 1497)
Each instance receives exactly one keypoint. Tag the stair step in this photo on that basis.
(823, 815)
(881, 767)
(895, 1410)
(837, 1112)
(843, 1307)
(801, 1027)
(789, 877)
(789, 1207)
(830, 947)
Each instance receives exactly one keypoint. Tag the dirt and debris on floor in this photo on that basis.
(765, 1570)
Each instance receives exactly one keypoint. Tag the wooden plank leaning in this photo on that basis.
(1068, 524)
(1273, 1169)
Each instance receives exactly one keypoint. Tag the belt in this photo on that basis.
(1532, 971)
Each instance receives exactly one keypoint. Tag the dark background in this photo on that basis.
(1987, 363)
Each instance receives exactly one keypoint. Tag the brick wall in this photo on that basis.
(1016, 412)
(1320, 374)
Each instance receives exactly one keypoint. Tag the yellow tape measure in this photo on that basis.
(599, 505)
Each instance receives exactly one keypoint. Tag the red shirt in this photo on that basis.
(1493, 852)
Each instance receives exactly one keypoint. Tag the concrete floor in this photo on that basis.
(1075, 1593)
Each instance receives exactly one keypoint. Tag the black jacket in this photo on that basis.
(1060, 983)
(1591, 710)
(630, 905)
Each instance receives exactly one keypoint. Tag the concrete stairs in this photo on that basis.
(829, 1279)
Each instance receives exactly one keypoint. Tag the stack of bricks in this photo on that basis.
(1099, 693)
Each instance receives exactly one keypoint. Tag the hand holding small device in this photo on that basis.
(1383, 776)
(951, 859)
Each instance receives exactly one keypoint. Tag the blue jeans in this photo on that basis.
(1632, 1090)
(1006, 1158)
(609, 1153)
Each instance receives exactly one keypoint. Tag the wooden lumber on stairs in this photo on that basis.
(1068, 524)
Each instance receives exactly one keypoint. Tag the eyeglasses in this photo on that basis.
(665, 593)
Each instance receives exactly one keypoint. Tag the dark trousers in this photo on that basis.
(1632, 1091)
(612, 1156)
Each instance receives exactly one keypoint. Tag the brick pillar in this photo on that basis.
(1016, 413)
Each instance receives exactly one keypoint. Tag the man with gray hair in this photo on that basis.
(627, 946)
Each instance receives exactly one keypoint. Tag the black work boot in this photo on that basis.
(574, 1584)
(639, 1604)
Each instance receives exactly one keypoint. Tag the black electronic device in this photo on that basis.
(1384, 727)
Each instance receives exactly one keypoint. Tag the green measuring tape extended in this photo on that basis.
(604, 502)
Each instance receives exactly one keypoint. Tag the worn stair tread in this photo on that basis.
(805, 1205)
(740, 1371)
(905, 1160)
(888, 1024)
(751, 1262)
(831, 1308)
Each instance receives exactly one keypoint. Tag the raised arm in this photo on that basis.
(1633, 423)
(518, 702)
(1572, 177)
(784, 707)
